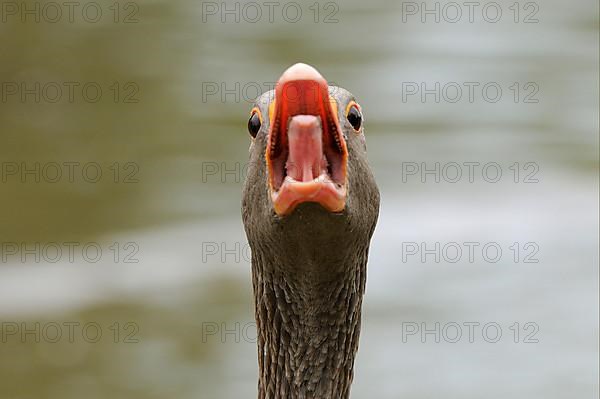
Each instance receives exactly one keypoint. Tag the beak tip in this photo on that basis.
(301, 71)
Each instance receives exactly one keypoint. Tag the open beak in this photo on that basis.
(306, 151)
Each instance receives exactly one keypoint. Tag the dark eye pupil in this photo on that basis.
(254, 124)
(355, 118)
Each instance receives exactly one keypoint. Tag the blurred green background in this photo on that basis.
(166, 128)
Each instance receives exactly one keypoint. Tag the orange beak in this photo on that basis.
(306, 151)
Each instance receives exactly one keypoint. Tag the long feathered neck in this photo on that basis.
(308, 311)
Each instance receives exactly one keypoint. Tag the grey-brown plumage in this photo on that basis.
(309, 273)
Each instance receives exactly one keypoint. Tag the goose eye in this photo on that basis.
(254, 124)
(354, 117)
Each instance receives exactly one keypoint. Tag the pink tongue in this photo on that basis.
(305, 156)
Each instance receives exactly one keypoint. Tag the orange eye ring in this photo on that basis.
(257, 111)
(354, 115)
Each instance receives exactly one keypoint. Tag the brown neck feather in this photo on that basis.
(308, 324)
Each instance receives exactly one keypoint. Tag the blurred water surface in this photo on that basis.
(174, 209)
